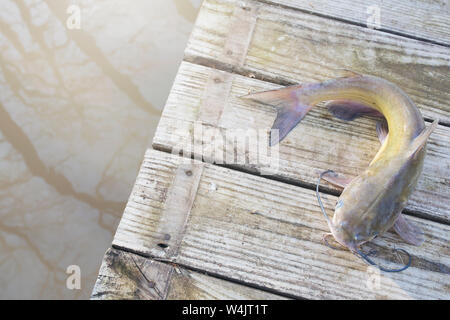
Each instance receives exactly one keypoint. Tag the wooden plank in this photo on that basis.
(417, 18)
(125, 275)
(289, 46)
(267, 233)
(215, 96)
(179, 199)
(128, 276)
(242, 22)
(319, 143)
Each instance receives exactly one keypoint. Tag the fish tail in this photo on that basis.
(291, 108)
(294, 102)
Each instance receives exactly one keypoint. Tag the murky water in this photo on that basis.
(82, 85)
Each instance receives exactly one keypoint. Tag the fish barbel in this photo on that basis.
(371, 203)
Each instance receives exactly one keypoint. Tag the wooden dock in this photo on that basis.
(204, 228)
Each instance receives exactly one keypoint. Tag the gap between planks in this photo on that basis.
(242, 71)
(289, 5)
(272, 293)
(127, 275)
(297, 183)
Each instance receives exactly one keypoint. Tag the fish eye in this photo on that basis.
(339, 204)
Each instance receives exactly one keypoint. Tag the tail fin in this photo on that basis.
(290, 110)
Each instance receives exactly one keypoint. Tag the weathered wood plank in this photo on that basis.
(423, 19)
(128, 276)
(179, 200)
(289, 46)
(319, 143)
(269, 234)
(125, 275)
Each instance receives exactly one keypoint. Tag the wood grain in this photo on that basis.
(242, 22)
(318, 143)
(289, 46)
(423, 19)
(267, 233)
(179, 200)
(128, 276)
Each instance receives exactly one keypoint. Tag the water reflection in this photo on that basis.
(77, 110)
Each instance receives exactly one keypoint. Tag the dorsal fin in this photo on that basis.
(349, 110)
(382, 130)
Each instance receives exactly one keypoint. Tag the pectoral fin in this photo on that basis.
(408, 231)
(290, 111)
(349, 110)
(337, 179)
(420, 141)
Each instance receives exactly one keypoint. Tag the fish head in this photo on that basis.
(347, 225)
(344, 236)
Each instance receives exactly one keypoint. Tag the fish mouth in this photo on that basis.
(344, 238)
(350, 245)
(354, 245)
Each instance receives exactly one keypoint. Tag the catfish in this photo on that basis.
(371, 203)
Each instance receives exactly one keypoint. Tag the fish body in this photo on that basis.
(371, 203)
